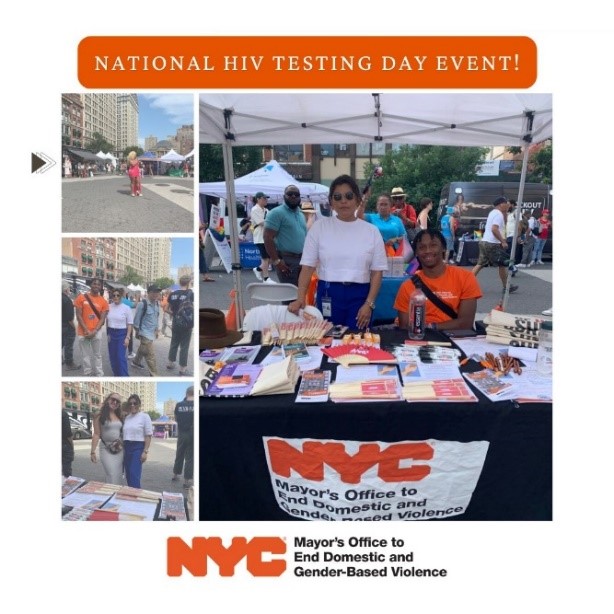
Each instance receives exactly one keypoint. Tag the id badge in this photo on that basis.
(327, 307)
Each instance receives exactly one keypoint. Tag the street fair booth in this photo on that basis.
(300, 425)
(507, 119)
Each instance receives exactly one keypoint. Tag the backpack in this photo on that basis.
(184, 316)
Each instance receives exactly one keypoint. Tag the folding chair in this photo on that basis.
(260, 293)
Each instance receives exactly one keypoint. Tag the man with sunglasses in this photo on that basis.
(285, 230)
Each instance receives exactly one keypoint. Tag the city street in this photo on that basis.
(161, 347)
(104, 204)
(532, 297)
(157, 471)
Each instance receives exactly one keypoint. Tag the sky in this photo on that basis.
(169, 390)
(161, 114)
(182, 253)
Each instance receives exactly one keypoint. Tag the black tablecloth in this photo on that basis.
(515, 483)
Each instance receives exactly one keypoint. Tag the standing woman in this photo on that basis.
(119, 330)
(426, 204)
(349, 255)
(134, 172)
(107, 430)
(390, 226)
(137, 439)
(257, 216)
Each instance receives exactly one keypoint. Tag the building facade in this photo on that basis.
(127, 121)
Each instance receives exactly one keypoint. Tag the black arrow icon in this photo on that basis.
(41, 162)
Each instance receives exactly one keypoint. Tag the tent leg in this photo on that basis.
(234, 234)
(523, 176)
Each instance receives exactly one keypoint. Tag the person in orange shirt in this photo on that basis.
(166, 314)
(456, 287)
(91, 310)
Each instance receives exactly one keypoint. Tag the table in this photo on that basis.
(515, 482)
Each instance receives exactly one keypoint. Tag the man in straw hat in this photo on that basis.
(404, 210)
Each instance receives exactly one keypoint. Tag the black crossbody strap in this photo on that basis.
(419, 283)
(89, 300)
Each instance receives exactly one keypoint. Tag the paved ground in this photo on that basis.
(104, 204)
(161, 347)
(533, 296)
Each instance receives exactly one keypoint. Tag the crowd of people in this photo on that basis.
(122, 318)
(347, 252)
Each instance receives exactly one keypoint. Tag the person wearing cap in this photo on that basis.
(404, 211)
(493, 246)
(258, 215)
(91, 310)
(285, 230)
(180, 305)
(146, 329)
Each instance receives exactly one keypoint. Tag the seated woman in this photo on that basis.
(456, 287)
(349, 255)
(390, 226)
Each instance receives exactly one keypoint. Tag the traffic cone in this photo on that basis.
(231, 315)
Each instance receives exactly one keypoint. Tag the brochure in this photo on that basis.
(314, 387)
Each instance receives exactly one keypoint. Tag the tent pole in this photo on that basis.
(523, 175)
(234, 233)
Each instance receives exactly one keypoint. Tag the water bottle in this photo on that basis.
(417, 314)
(544, 350)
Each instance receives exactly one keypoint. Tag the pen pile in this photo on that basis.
(501, 365)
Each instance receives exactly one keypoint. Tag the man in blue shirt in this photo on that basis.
(147, 329)
(285, 230)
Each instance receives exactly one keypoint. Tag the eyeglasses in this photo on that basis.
(114, 400)
(293, 194)
(133, 403)
(348, 196)
(398, 197)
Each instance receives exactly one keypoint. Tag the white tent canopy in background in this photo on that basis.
(172, 156)
(190, 155)
(271, 179)
(507, 119)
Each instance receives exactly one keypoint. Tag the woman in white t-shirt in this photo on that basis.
(137, 439)
(350, 258)
(119, 329)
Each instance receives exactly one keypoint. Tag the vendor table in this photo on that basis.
(515, 482)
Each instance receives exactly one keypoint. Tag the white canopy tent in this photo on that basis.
(272, 179)
(507, 119)
(172, 156)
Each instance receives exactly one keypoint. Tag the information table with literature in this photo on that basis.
(271, 458)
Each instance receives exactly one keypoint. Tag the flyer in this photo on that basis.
(550, 561)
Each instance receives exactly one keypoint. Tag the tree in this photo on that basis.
(164, 282)
(99, 143)
(153, 414)
(211, 161)
(131, 276)
(539, 167)
(139, 150)
(423, 170)
(542, 165)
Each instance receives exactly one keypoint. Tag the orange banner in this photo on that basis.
(306, 62)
